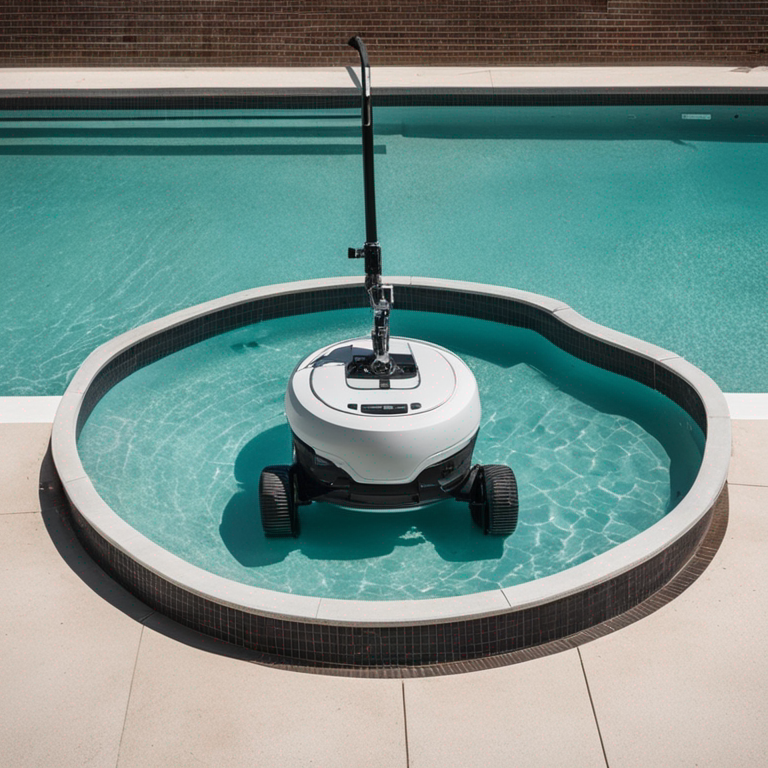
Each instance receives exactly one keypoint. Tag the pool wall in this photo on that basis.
(352, 633)
(398, 32)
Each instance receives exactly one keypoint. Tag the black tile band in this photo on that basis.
(354, 646)
(264, 98)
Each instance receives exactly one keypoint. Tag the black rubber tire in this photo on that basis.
(495, 506)
(477, 501)
(278, 501)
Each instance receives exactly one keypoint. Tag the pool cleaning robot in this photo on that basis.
(379, 423)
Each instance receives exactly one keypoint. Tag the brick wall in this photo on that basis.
(397, 32)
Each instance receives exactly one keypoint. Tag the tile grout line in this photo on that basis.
(405, 728)
(592, 704)
(130, 692)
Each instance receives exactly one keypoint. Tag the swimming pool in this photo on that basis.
(176, 449)
(639, 219)
(334, 631)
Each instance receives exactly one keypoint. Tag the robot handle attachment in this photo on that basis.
(381, 301)
(381, 296)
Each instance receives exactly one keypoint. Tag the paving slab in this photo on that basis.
(534, 714)
(28, 410)
(177, 77)
(22, 448)
(607, 77)
(686, 685)
(749, 462)
(66, 657)
(431, 77)
(189, 707)
(747, 406)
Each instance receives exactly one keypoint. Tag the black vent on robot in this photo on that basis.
(361, 367)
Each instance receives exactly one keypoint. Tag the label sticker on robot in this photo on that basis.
(697, 116)
(384, 409)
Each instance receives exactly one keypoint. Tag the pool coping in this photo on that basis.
(345, 78)
(229, 88)
(700, 500)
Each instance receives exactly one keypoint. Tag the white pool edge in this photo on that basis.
(700, 499)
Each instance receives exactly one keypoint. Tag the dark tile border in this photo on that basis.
(559, 625)
(357, 644)
(332, 98)
(684, 578)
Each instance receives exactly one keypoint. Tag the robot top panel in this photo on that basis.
(433, 384)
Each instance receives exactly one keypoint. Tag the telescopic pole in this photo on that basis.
(367, 115)
(380, 295)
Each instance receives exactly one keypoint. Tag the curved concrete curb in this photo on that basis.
(514, 617)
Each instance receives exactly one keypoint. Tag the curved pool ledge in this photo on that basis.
(328, 631)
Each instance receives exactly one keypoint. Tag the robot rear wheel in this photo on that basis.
(279, 501)
(494, 503)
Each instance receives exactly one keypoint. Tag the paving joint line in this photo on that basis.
(130, 693)
(405, 728)
(592, 704)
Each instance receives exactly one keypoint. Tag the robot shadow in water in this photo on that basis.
(331, 533)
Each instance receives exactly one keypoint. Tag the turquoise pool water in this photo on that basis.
(638, 219)
(176, 449)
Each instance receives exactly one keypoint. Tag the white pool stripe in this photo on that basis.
(28, 410)
(41, 410)
(750, 405)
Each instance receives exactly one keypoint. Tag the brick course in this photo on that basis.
(397, 32)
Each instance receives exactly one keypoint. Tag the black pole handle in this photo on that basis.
(371, 236)
(365, 79)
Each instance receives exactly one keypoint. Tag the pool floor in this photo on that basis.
(176, 449)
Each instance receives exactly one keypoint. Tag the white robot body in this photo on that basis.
(383, 434)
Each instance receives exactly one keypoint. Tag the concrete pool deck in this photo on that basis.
(91, 676)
